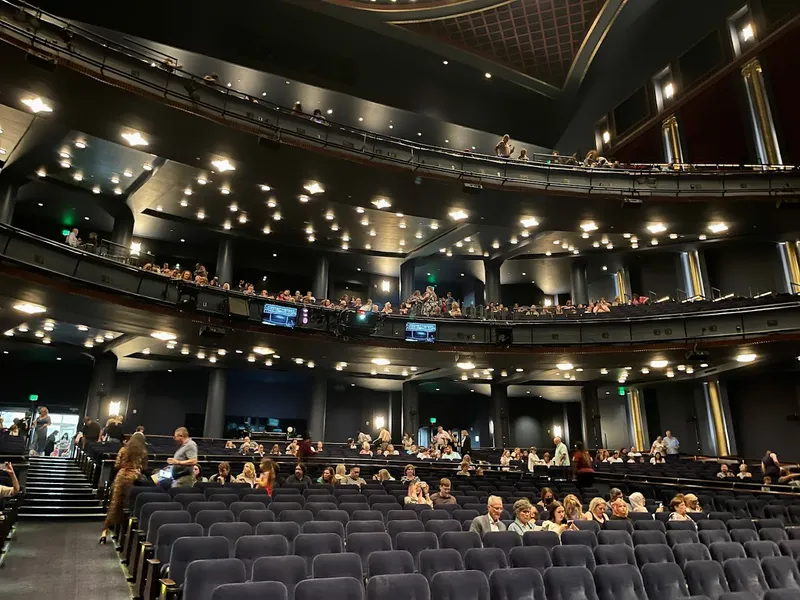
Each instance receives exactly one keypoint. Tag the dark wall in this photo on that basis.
(654, 272)
(468, 411)
(745, 269)
(672, 406)
(781, 63)
(350, 409)
(532, 423)
(523, 294)
(759, 405)
(63, 388)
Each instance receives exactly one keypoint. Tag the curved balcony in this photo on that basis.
(163, 80)
(731, 320)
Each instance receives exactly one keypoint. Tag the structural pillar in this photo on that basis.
(766, 140)
(407, 279)
(621, 285)
(319, 401)
(100, 387)
(492, 288)
(580, 294)
(636, 420)
(590, 417)
(673, 153)
(122, 233)
(214, 425)
(320, 287)
(224, 270)
(8, 200)
(501, 429)
(791, 266)
(694, 278)
(410, 423)
(718, 419)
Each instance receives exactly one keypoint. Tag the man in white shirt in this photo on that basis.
(614, 458)
(491, 520)
(450, 454)
(13, 490)
(562, 455)
(72, 239)
(533, 459)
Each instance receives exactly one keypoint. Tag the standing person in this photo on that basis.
(384, 439)
(131, 461)
(561, 458)
(40, 431)
(442, 437)
(184, 459)
(504, 149)
(671, 444)
(465, 442)
(266, 481)
(771, 466)
(658, 447)
(584, 473)
(89, 432)
(50, 446)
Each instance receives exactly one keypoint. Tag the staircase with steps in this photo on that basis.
(56, 488)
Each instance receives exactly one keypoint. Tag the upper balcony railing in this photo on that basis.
(154, 74)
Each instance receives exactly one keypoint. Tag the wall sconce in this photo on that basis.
(556, 430)
(379, 422)
(386, 286)
(113, 408)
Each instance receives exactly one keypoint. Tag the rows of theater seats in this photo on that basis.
(195, 539)
(13, 445)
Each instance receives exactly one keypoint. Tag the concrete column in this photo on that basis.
(410, 423)
(320, 287)
(716, 419)
(492, 289)
(214, 425)
(319, 400)
(406, 279)
(105, 369)
(122, 233)
(8, 200)
(694, 275)
(500, 420)
(224, 270)
(590, 417)
(580, 294)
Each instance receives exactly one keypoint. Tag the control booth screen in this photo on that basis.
(420, 332)
(280, 316)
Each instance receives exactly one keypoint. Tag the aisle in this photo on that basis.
(63, 560)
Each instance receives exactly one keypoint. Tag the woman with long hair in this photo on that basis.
(327, 476)
(558, 521)
(248, 475)
(582, 463)
(266, 480)
(573, 507)
(40, 431)
(418, 494)
(131, 461)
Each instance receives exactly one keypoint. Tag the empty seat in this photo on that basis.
(187, 550)
(683, 553)
(743, 536)
(649, 525)
(710, 536)
(653, 553)
(505, 540)
(582, 538)
(532, 557)
(773, 534)
(681, 525)
(309, 545)
(682, 536)
(722, 551)
(745, 575)
(365, 515)
(416, 542)
(765, 523)
(289, 530)
(723, 516)
(783, 594)
(741, 524)
(401, 515)
(335, 588)
(460, 585)
(761, 549)
(393, 528)
(345, 564)
(775, 511)
(441, 526)
(444, 559)
(621, 525)
(781, 572)
(398, 587)
(195, 507)
(573, 556)
(618, 554)
(706, 578)
(664, 581)
(226, 496)
(516, 584)
(240, 506)
(364, 527)
(790, 548)
(648, 537)
(323, 527)
(709, 523)
(249, 548)
(434, 515)
(461, 541)
(255, 516)
(390, 562)
(548, 539)
(203, 575)
(607, 537)
(262, 590)
(583, 525)
(485, 560)
(619, 582)
(289, 570)
(295, 516)
(569, 583)
(231, 532)
(364, 543)
(279, 507)
(259, 497)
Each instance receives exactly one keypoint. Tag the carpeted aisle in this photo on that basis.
(62, 559)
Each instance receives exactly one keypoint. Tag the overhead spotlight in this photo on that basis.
(525, 233)
(223, 165)
(313, 187)
(418, 235)
(673, 236)
(114, 179)
(187, 192)
(514, 240)
(134, 138)
(589, 226)
(434, 226)
(606, 137)
(381, 203)
(37, 105)
(658, 364)
(595, 244)
(276, 216)
(564, 366)
(29, 309)
(41, 173)
(669, 90)
(603, 371)
(458, 215)
(267, 230)
(548, 253)
(184, 203)
(701, 237)
(226, 225)
(717, 227)
(745, 358)
(487, 75)
(528, 222)
(657, 228)
(65, 164)
(127, 173)
(147, 167)
(242, 218)
(201, 215)
(747, 32)
(78, 176)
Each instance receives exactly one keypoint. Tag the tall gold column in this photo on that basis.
(636, 413)
(695, 278)
(717, 417)
(791, 265)
(766, 138)
(622, 286)
(672, 140)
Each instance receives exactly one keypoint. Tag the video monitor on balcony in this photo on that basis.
(280, 316)
(420, 332)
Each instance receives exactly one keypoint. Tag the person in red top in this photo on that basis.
(304, 449)
(582, 463)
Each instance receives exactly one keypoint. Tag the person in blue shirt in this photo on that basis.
(672, 444)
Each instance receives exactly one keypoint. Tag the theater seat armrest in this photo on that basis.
(169, 589)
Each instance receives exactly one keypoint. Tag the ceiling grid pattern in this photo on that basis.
(540, 38)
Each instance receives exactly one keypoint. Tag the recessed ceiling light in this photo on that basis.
(242, 218)
(382, 203)
(29, 309)
(114, 179)
(311, 238)
(458, 214)
(187, 192)
(276, 216)
(487, 75)
(717, 227)
(147, 167)
(548, 253)
(41, 173)
(226, 225)
(127, 173)
(201, 215)
(595, 244)
(223, 165)
(184, 203)
(514, 240)
(80, 144)
(745, 358)
(589, 226)
(656, 228)
(78, 176)
(96, 189)
(134, 138)
(658, 364)
(224, 191)
(183, 241)
(266, 230)
(85, 218)
(673, 236)
(654, 242)
(329, 111)
(37, 105)
(372, 233)
(65, 164)
(603, 371)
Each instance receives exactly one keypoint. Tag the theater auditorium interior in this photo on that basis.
(400, 300)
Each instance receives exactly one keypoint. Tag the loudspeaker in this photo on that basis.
(631, 203)
(46, 63)
(270, 143)
(237, 307)
(471, 188)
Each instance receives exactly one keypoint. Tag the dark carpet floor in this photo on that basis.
(62, 559)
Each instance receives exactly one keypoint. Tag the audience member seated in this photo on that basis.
(619, 510)
(299, 475)
(354, 477)
(197, 475)
(615, 458)
(692, 503)
(341, 474)
(558, 521)
(390, 451)
(573, 507)
(418, 494)
(463, 470)
(491, 520)
(229, 445)
(679, 509)
(351, 444)
(597, 511)
(657, 459)
(223, 475)
(525, 515)
(7, 491)
(383, 475)
(248, 475)
(546, 499)
(409, 475)
(365, 449)
(327, 476)
(450, 454)
(743, 472)
(637, 502)
(443, 495)
(724, 472)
